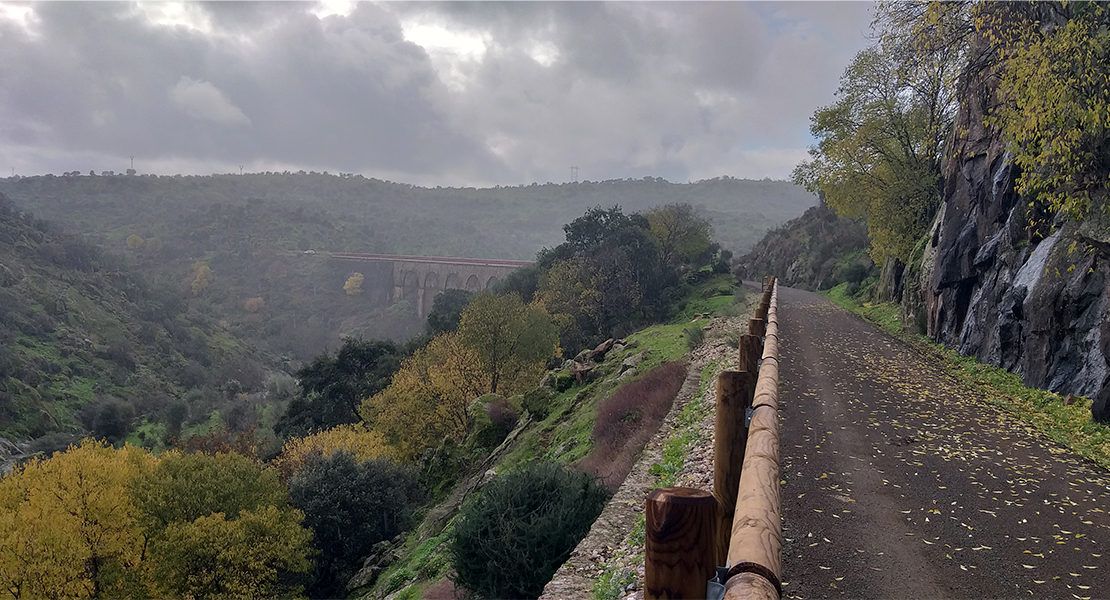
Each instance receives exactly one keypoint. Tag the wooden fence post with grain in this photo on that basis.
(679, 555)
(730, 437)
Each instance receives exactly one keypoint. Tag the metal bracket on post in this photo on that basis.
(748, 412)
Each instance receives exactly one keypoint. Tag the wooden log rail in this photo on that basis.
(744, 531)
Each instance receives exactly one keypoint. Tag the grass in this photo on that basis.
(1070, 426)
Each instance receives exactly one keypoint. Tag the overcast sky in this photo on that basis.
(453, 93)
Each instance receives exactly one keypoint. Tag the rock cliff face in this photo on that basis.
(1025, 299)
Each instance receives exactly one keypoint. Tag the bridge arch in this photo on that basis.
(473, 285)
(453, 282)
(492, 281)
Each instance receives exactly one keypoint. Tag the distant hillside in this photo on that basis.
(353, 213)
(87, 345)
(814, 251)
(251, 231)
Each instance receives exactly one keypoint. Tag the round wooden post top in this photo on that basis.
(681, 495)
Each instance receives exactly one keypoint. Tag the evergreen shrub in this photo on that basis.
(511, 539)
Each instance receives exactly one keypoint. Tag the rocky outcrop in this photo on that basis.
(1026, 298)
(804, 253)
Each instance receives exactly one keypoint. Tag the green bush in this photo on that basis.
(350, 506)
(564, 381)
(538, 402)
(511, 539)
(695, 335)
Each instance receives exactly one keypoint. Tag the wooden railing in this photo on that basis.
(691, 532)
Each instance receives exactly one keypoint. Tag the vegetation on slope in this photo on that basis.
(251, 233)
(87, 346)
(817, 250)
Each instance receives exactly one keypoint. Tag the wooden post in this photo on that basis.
(750, 349)
(730, 437)
(678, 553)
(757, 327)
(761, 312)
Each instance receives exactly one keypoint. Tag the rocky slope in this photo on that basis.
(1026, 298)
(814, 251)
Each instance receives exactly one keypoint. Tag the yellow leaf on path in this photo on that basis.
(1029, 566)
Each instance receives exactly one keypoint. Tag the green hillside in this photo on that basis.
(86, 345)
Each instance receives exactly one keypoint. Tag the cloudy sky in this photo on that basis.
(453, 93)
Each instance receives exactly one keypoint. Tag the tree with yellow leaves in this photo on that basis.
(427, 398)
(353, 286)
(202, 276)
(357, 439)
(68, 528)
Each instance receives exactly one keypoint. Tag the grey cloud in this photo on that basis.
(676, 90)
(202, 100)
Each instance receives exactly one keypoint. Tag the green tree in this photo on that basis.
(679, 232)
(510, 540)
(216, 557)
(880, 145)
(333, 386)
(512, 340)
(351, 506)
(185, 487)
(446, 310)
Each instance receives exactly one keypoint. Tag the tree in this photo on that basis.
(68, 527)
(202, 276)
(427, 399)
(1055, 114)
(511, 539)
(511, 339)
(241, 557)
(446, 310)
(351, 505)
(353, 286)
(355, 439)
(880, 145)
(253, 305)
(134, 242)
(333, 386)
(219, 525)
(185, 487)
(679, 232)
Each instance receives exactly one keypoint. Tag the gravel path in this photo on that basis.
(900, 484)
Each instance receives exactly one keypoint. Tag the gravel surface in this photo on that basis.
(898, 483)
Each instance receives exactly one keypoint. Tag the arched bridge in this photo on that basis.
(417, 279)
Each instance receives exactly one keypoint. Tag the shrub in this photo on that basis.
(351, 506)
(627, 420)
(695, 335)
(563, 382)
(511, 539)
(538, 402)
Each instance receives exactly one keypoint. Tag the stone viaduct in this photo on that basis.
(418, 279)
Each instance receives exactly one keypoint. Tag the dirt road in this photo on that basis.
(899, 484)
